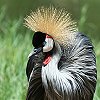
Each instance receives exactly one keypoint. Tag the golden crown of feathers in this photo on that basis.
(56, 23)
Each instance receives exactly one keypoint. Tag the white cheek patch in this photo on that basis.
(49, 45)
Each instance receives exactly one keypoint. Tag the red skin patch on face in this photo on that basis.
(48, 36)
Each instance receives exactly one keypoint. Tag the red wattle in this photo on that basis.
(47, 60)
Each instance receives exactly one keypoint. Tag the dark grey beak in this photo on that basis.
(37, 50)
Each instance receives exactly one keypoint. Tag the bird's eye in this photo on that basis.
(44, 43)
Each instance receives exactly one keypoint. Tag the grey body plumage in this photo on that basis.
(70, 75)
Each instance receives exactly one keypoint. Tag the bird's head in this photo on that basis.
(43, 44)
(43, 41)
(51, 26)
(54, 25)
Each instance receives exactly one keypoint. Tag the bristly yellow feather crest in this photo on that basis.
(56, 23)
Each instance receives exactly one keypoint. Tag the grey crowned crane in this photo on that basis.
(62, 65)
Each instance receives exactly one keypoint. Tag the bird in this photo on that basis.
(62, 63)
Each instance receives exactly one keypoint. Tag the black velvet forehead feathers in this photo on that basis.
(38, 39)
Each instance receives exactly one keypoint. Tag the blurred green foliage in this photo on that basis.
(15, 40)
